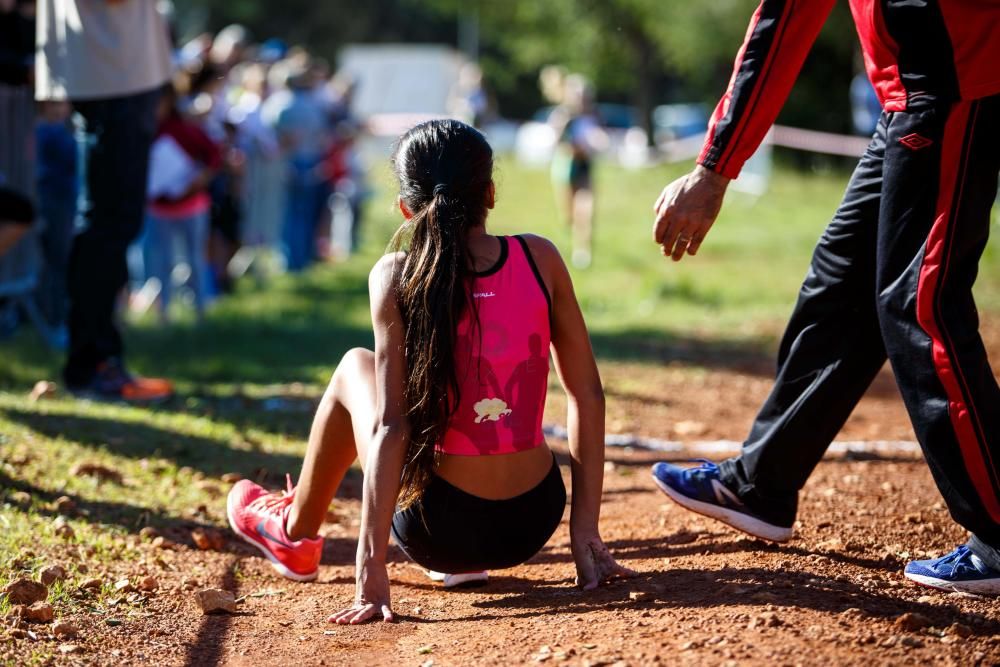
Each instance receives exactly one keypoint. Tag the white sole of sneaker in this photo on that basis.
(737, 520)
(982, 587)
(275, 563)
(466, 579)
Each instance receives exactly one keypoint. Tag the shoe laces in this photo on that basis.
(275, 503)
(704, 465)
(958, 560)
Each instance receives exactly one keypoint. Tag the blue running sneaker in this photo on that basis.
(701, 490)
(961, 571)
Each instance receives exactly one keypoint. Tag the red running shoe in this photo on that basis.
(259, 518)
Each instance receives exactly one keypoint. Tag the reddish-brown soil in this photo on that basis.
(704, 595)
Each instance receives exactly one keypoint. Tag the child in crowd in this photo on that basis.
(445, 416)
(183, 162)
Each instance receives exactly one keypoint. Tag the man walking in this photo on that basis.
(891, 277)
(110, 58)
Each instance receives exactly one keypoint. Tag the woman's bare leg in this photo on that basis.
(341, 432)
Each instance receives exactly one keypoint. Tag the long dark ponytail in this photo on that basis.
(445, 169)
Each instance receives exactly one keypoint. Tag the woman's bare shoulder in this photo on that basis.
(385, 269)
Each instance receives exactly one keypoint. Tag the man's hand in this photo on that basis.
(686, 210)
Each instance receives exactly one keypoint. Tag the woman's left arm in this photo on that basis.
(384, 463)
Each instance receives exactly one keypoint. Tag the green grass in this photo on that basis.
(249, 376)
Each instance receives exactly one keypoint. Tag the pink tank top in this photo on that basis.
(502, 365)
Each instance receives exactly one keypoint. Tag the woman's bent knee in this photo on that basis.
(356, 364)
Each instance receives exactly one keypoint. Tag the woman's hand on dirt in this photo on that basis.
(372, 598)
(686, 210)
(594, 563)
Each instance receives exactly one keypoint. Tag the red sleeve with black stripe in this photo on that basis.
(780, 35)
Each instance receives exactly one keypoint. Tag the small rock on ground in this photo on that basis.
(215, 601)
(25, 591)
(52, 573)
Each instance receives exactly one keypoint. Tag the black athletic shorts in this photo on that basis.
(449, 530)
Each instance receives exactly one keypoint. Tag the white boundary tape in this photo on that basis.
(722, 447)
(798, 138)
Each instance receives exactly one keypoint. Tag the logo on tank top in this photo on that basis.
(490, 408)
(483, 295)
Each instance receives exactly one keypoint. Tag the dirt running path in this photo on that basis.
(705, 596)
(834, 595)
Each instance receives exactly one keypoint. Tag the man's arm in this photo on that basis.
(780, 35)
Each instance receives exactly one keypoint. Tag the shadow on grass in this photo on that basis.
(130, 517)
(289, 332)
(137, 440)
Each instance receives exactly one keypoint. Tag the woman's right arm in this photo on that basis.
(578, 373)
(386, 455)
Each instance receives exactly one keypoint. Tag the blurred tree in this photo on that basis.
(646, 52)
(651, 52)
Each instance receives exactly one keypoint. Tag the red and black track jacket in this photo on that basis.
(912, 48)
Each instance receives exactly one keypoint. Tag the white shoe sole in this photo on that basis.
(981, 587)
(731, 518)
(455, 580)
(275, 563)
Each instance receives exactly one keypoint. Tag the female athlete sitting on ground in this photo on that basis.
(445, 416)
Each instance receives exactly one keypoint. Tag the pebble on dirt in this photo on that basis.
(65, 505)
(912, 621)
(40, 612)
(215, 601)
(767, 619)
(62, 528)
(91, 584)
(25, 591)
(65, 629)
(208, 540)
(959, 630)
(148, 584)
(100, 472)
(20, 498)
(51, 574)
(66, 649)
(149, 532)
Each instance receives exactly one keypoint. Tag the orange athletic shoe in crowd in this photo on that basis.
(259, 517)
(113, 383)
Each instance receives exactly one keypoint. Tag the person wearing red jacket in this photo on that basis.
(891, 278)
(183, 162)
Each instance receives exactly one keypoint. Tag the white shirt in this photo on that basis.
(96, 49)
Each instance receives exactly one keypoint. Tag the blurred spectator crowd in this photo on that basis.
(255, 151)
(254, 168)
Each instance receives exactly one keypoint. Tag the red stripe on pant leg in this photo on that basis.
(765, 71)
(722, 108)
(932, 270)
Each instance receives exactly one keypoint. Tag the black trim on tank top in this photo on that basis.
(534, 269)
(501, 260)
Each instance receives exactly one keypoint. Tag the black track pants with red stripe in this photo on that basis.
(892, 278)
